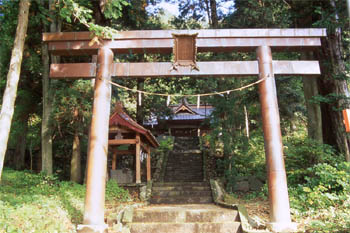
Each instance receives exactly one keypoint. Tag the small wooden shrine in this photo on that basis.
(123, 130)
(186, 120)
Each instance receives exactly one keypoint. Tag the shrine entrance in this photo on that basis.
(185, 44)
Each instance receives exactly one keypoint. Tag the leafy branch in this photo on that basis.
(82, 14)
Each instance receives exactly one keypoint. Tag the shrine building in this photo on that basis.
(186, 120)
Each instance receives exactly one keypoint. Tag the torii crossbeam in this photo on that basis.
(263, 41)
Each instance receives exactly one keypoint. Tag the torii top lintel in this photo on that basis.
(208, 40)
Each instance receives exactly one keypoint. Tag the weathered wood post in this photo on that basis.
(148, 164)
(114, 159)
(280, 220)
(137, 160)
(98, 147)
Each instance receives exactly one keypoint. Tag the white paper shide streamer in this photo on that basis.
(140, 98)
(168, 101)
(198, 101)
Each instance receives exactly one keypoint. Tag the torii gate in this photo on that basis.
(162, 41)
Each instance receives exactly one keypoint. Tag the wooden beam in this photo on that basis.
(121, 141)
(71, 48)
(163, 69)
(202, 33)
(138, 162)
(73, 70)
(126, 152)
(116, 129)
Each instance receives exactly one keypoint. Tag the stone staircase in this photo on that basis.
(183, 203)
(185, 219)
(184, 176)
(185, 162)
(181, 193)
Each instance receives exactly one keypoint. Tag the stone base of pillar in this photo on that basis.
(282, 226)
(92, 228)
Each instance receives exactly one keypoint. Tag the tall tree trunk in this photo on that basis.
(8, 101)
(314, 117)
(75, 165)
(304, 11)
(334, 85)
(207, 8)
(46, 126)
(21, 143)
(46, 135)
(214, 14)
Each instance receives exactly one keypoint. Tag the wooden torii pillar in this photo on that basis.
(98, 146)
(215, 40)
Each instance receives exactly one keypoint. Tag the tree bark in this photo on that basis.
(214, 14)
(46, 135)
(75, 165)
(21, 144)
(8, 101)
(46, 127)
(314, 117)
(208, 11)
(333, 85)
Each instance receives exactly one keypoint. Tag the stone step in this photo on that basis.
(199, 218)
(170, 179)
(192, 170)
(183, 178)
(185, 166)
(187, 153)
(174, 188)
(184, 215)
(184, 158)
(196, 170)
(181, 184)
(182, 200)
(177, 177)
(234, 227)
(182, 174)
(185, 161)
(186, 193)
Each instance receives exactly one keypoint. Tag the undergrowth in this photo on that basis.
(318, 180)
(40, 203)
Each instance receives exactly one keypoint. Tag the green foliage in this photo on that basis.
(40, 203)
(166, 144)
(115, 193)
(113, 9)
(33, 203)
(325, 197)
(82, 11)
(259, 14)
(302, 153)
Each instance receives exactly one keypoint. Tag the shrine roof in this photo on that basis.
(185, 111)
(119, 117)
